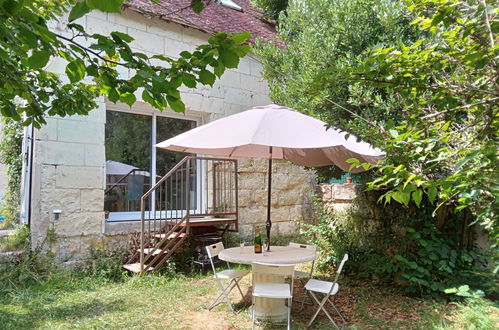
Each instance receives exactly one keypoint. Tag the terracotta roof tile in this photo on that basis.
(213, 18)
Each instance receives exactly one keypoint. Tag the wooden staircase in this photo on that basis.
(196, 192)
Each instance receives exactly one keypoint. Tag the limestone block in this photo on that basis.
(215, 91)
(260, 99)
(230, 108)
(48, 176)
(122, 227)
(238, 96)
(244, 197)
(146, 42)
(244, 65)
(285, 228)
(80, 131)
(194, 37)
(103, 26)
(253, 165)
(234, 79)
(251, 181)
(78, 247)
(48, 131)
(212, 104)
(92, 200)
(289, 197)
(133, 20)
(95, 155)
(256, 68)
(79, 224)
(66, 200)
(252, 215)
(325, 191)
(79, 177)
(290, 181)
(192, 101)
(173, 47)
(164, 29)
(252, 83)
(343, 191)
(61, 153)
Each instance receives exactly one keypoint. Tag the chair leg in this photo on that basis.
(239, 288)
(224, 294)
(253, 313)
(343, 321)
(289, 313)
(321, 307)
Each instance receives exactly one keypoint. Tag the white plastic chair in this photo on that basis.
(328, 289)
(273, 290)
(233, 275)
(301, 275)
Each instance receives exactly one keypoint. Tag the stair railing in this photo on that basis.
(196, 186)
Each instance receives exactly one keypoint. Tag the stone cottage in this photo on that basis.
(75, 162)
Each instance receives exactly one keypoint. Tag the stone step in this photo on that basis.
(135, 267)
(171, 236)
(158, 251)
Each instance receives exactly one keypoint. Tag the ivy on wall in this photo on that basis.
(11, 156)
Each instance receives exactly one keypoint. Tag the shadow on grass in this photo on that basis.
(68, 313)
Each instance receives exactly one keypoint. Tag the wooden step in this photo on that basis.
(171, 236)
(136, 267)
(158, 251)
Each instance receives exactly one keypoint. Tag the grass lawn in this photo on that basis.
(71, 301)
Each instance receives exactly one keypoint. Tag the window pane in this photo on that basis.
(165, 160)
(128, 159)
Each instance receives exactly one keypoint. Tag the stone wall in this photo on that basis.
(292, 188)
(337, 197)
(69, 153)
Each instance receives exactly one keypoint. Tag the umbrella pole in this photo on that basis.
(268, 224)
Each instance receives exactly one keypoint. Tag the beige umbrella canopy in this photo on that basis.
(275, 132)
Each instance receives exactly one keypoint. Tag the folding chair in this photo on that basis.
(301, 275)
(272, 290)
(328, 289)
(233, 275)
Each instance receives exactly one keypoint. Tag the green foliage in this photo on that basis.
(271, 8)
(29, 91)
(418, 81)
(432, 262)
(104, 263)
(11, 156)
(19, 240)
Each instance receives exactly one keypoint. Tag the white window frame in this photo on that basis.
(143, 109)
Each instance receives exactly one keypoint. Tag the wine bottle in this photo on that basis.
(258, 240)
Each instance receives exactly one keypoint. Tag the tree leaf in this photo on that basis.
(128, 98)
(76, 70)
(176, 104)
(417, 196)
(229, 58)
(78, 10)
(122, 36)
(432, 194)
(108, 6)
(240, 38)
(113, 95)
(206, 77)
(38, 59)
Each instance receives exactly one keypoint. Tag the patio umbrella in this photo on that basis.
(274, 132)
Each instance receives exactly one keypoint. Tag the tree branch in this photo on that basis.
(487, 23)
(88, 50)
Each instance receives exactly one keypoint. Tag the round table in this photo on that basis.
(269, 309)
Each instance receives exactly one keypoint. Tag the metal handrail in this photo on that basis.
(171, 221)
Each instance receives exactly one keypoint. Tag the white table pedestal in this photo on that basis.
(274, 310)
(268, 309)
